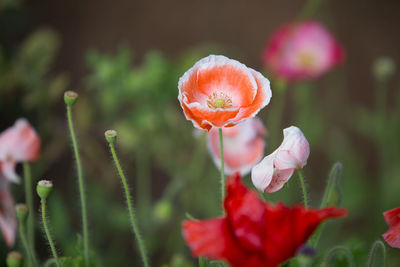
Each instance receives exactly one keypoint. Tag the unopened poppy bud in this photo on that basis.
(111, 136)
(162, 211)
(70, 98)
(14, 259)
(384, 68)
(44, 188)
(21, 210)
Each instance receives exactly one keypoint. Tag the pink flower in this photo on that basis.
(392, 236)
(8, 220)
(275, 169)
(302, 50)
(221, 92)
(243, 146)
(18, 143)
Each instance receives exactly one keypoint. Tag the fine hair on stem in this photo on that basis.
(85, 229)
(129, 204)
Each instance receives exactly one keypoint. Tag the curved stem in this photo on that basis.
(221, 149)
(335, 250)
(371, 257)
(131, 211)
(81, 188)
(27, 248)
(48, 235)
(303, 187)
(29, 202)
(309, 9)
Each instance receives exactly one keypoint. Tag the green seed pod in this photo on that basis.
(384, 68)
(44, 188)
(21, 211)
(70, 98)
(111, 136)
(14, 259)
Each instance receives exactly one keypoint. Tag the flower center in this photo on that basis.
(306, 59)
(219, 100)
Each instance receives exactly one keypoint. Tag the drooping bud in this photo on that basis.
(44, 188)
(21, 210)
(14, 259)
(384, 68)
(111, 136)
(163, 211)
(70, 98)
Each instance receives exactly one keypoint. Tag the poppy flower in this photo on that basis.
(254, 233)
(19, 143)
(302, 50)
(245, 139)
(276, 169)
(392, 236)
(221, 92)
(8, 220)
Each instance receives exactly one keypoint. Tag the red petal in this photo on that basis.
(246, 214)
(392, 236)
(213, 239)
(287, 228)
(392, 216)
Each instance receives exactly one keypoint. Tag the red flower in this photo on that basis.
(392, 236)
(254, 233)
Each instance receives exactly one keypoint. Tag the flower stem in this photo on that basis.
(221, 149)
(131, 211)
(47, 232)
(303, 187)
(81, 188)
(372, 257)
(27, 248)
(29, 202)
(309, 9)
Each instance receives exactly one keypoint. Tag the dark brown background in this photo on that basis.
(366, 28)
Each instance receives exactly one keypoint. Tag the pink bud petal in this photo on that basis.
(276, 169)
(8, 221)
(243, 146)
(19, 143)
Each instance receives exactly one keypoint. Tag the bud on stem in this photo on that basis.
(70, 98)
(14, 259)
(111, 136)
(44, 188)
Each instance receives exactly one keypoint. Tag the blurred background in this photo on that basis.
(124, 58)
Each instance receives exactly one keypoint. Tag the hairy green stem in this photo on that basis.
(275, 117)
(131, 211)
(47, 232)
(335, 250)
(81, 188)
(309, 9)
(29, 202)
(143, 190)
(371, 257)
(221, 149)
(28, 249)
(303, 187)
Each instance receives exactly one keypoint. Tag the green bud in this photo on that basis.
(111, 136)
(44, 188)
(21, 211)
(14, 259)
(70, 98)
(384, 68)
(163, 210)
